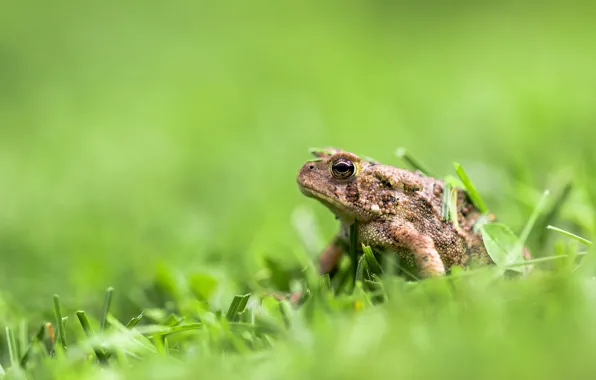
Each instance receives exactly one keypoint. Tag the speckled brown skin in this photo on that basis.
(395, 210)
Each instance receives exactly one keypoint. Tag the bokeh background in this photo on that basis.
(137, 135)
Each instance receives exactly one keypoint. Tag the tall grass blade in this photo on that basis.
(59, 322)
(101, 355)
(106, 308)
(408, 158)
(236, 307)
(569, 234)
(470, 188)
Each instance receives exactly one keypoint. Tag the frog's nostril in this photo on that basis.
(311, 167)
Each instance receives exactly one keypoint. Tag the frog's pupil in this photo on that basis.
(342, 167)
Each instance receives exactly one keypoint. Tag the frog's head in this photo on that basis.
(332, 178)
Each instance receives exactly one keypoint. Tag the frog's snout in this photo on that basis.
(305, 173)
(309, 178)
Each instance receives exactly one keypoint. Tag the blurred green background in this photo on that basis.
(136, 134)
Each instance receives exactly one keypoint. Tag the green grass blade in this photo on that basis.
(408, 158)
(158, 342)
(36, 340)
(552, 214)
(371, 260)
(543, 259)
(470, 188)
(23, 340)
(59, 322)
(532, 220)
(344, 277)
(446, 202)
(325, 283)
(236, 307)
(166, 346)
(453, 208)
(265, 325)
(287, 312)
(143, 343)
(99, 353)
(361, 269)
(569, 234)
(354, 251)
(134, 321)
(12, 348)
(159, 330)
(320, 151)
(172, 320)
(85, 323)
(106, 308)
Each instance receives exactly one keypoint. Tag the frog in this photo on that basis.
(393, 210)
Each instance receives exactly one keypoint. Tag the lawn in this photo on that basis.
(149, 205)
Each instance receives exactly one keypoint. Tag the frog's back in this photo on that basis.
(462, 225)
(456, 239)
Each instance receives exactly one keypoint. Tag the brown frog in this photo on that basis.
(394, 209)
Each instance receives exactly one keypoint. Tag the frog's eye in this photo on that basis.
(342, 168)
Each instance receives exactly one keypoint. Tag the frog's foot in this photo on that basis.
(294, 297)
(330, 256)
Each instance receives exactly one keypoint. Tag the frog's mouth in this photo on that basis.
(331, 203)
(312, 193)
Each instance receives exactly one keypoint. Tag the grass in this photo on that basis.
(154, 150)
(479, 324)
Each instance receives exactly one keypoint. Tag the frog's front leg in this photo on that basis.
(427, 257)
(327, 263)
(331, 255)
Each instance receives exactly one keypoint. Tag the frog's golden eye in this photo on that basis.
(342, 168)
